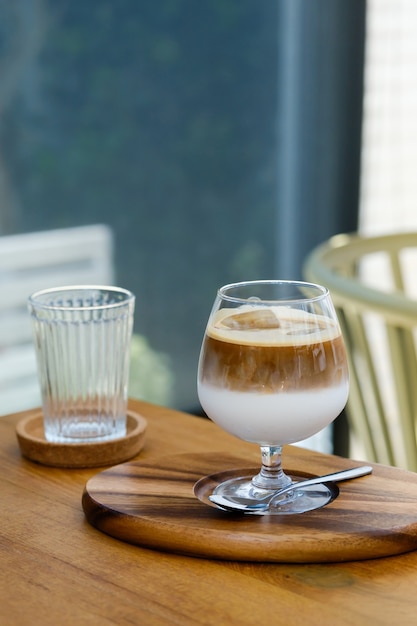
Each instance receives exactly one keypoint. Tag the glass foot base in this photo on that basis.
(238, 490)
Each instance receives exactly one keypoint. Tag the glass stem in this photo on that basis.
(272, 475)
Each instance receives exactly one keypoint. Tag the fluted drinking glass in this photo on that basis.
(82, 339)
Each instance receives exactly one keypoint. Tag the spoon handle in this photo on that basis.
(353, 472)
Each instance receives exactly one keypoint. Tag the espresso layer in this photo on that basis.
(275, 368)
(297, 351)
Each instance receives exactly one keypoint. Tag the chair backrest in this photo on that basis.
(32, 261)
(373, 284)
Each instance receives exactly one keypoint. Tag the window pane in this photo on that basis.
(158, 119)
(389, 157)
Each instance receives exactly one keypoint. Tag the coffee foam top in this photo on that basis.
(271, 326)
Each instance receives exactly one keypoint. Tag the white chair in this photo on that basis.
(28, 262)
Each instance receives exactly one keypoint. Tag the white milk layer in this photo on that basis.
(276, 418)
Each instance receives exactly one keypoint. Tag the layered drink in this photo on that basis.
(272, 374)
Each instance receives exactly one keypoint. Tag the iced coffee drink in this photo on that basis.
(272, 375)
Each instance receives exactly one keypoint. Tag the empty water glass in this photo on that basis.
(82, 337)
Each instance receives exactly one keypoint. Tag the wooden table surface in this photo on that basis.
(57, 569)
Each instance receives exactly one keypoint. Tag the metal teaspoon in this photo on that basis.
(261, 504)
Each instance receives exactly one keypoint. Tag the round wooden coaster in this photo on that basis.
(34, 446)
(152, 504)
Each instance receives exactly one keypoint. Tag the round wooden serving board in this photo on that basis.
(152, 504)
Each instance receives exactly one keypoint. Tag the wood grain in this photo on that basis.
(153, 504)
(58, 569)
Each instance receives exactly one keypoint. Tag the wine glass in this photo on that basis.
(273, 371)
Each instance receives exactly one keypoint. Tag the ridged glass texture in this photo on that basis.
(82, 338)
